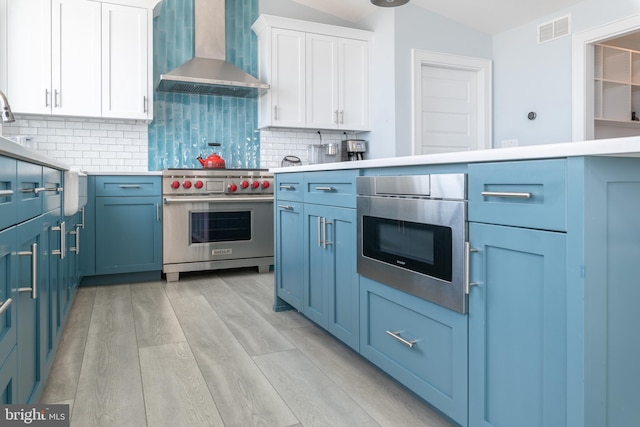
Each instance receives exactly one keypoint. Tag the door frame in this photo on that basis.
(582, 72)
(483, 69)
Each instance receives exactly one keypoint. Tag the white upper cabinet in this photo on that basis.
(29, 56)
(125, 64)
(79, 58)
(319, 75)
(75, 57)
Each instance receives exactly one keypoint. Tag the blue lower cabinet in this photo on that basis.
(289, 255)
(128, 234)
(331, 292)
(8, 379)
(31, 306)
(517, 327)
(421, 344)
(8, 192)
(49, 293)
(8, 292)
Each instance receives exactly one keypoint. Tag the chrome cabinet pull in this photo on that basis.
(320, 219)
(275, 112)
(286, 207)
(324, 236)
(336, 119)
(62, 228)
(56, 189)
(4, 193)
(397, 337)
(56, 104)
(5, 305)
(76, 248)
(468, 250)
(286, 187)
(325, 189)
(34, 270)
(157, 212)
(82, 215)
(144, 104)
(46, 97)
(129, 186)
(506, 194)
(342, 117)
(33, 190)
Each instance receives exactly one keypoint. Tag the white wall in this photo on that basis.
(532, 77)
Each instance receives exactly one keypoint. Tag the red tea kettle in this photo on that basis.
(214, 161)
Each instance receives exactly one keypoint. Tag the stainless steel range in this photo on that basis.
(215, 219)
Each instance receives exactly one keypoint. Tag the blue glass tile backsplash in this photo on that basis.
(182, 123)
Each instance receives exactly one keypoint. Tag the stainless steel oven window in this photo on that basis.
(211, 227)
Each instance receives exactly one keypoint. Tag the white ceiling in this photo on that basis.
(489, 16)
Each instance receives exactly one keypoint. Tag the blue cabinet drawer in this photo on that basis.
(531, 194)
(432, 359)
(8, 192)
(289, 187)
(335, 188)
(124, 186)
(52, 181)
(29, 191)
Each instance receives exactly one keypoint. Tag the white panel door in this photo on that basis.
(288, 78)
(76, 53)
(29, 56)
(449, 116)
(322, 81)
(353, 77)
(124, 62)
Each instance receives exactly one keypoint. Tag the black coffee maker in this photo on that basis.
(355, 148)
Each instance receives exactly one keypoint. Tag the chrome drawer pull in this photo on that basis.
(287, 187)
(33, 190)
(5, 305)
(4, 193)
(396, 336)
(287, 207)
(34, 270)
(325, 189)
(506, 194)
(62, 228)
(468, 250)
(129, 186)
(56, 189)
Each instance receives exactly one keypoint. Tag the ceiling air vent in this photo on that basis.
(554, 29)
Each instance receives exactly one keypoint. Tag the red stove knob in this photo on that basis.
(199, 184)
(244, 184)
(175, 184)
(186, 184)
(233, 187)
(265, 184)
(255, 184)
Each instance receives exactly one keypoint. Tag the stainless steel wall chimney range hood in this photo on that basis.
(208, 73)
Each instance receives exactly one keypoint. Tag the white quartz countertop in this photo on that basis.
(14, 150)
(124, 173)
(615, 147)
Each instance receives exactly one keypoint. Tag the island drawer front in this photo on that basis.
(433, 360)
(289, 186)
(334, 188)
(8, 192)
(124, 186)
(531, 194)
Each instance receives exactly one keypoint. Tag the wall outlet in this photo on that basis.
(507, 143)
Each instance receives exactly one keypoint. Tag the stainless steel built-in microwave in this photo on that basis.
(411, 235)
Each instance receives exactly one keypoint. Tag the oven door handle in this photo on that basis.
(230, 199)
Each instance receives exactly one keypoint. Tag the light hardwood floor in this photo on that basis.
(209, 351)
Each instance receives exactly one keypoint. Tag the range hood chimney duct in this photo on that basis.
(208, 73)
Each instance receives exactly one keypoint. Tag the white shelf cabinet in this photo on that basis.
(616, 85)
(319, 75)
(79, 58)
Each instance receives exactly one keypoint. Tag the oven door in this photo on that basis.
(415, 245)
(216, 229)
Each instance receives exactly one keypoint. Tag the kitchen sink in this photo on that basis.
(75, 191)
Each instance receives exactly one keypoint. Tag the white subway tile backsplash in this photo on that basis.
(92, 144)
(275, 144)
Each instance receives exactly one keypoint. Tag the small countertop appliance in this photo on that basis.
(356, 148)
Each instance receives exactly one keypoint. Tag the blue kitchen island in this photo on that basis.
(549, 337)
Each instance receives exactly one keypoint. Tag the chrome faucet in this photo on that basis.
(7, 115)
